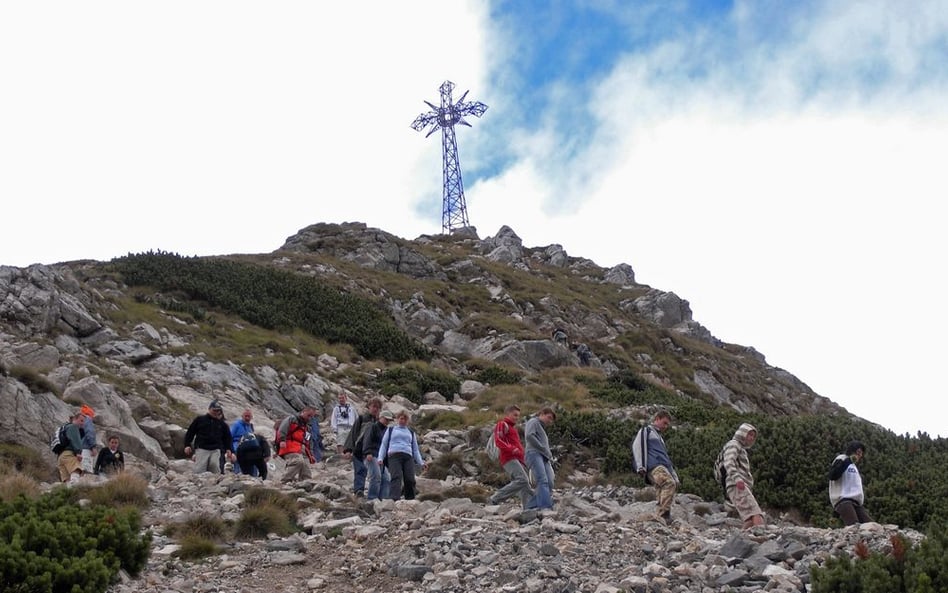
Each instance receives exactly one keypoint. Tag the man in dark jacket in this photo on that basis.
(111, 460)
(845, 486)
(354, 450)
(208, 436)
(378, 475)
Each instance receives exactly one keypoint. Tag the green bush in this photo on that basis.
(272, 299)
(497, 375)
(415, 380)
(903, 475)
(904, 569)
(51, 545)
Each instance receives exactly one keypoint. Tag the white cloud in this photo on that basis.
(799, 218)
(219, 127)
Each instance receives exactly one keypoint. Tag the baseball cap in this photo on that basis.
(215, 405)
(387, 414)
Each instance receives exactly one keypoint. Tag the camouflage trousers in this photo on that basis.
(665, 488)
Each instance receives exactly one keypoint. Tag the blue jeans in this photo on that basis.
(358, 475)
(543, 473)
(379, 480)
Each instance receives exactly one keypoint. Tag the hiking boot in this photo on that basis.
(666, 517)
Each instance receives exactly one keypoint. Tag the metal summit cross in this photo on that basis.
(454, 210)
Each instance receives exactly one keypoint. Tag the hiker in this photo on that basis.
(651, 461)
(560, 336)
(111, 460)
(69, 461)
(315, 437)
(738, 481)
(241, 427)
(294, 437)
(400, 453)
(252, 450)
(353, 451)
(378, 475)
(89, 447)
(208, 439)
(539, 458)
(584, 354)
(511, 459)
(343, 417)
(845, 486)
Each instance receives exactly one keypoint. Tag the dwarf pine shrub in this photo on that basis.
(52, 545)
(903, 569)
(414, 380)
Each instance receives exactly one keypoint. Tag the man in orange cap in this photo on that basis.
(89, 448)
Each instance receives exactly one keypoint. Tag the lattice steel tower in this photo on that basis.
(453, 210)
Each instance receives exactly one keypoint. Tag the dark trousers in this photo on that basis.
(851, 512)
(252, 465)
(402, 468)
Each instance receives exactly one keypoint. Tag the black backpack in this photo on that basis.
(60, 441)
(248, 442)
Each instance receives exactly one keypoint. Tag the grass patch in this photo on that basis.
(17, 484)
(16, 458)
(448, 464)
(124, 489)
(204, 526)
(260, 521)
(333, 532)
(35, 381)
(195, 547)
(258, 496)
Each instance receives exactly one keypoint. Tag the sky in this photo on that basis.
(775, 164)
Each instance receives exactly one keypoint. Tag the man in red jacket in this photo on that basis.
(293, 435)
(512, 459)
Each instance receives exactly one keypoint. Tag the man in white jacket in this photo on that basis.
(845, 486)
(341, 421)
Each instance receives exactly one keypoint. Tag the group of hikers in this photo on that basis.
(384, 452)
(380, 445)
(78, 453)
(732, 471)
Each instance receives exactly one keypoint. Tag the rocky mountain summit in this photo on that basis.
(76, 333)
(73, 327)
